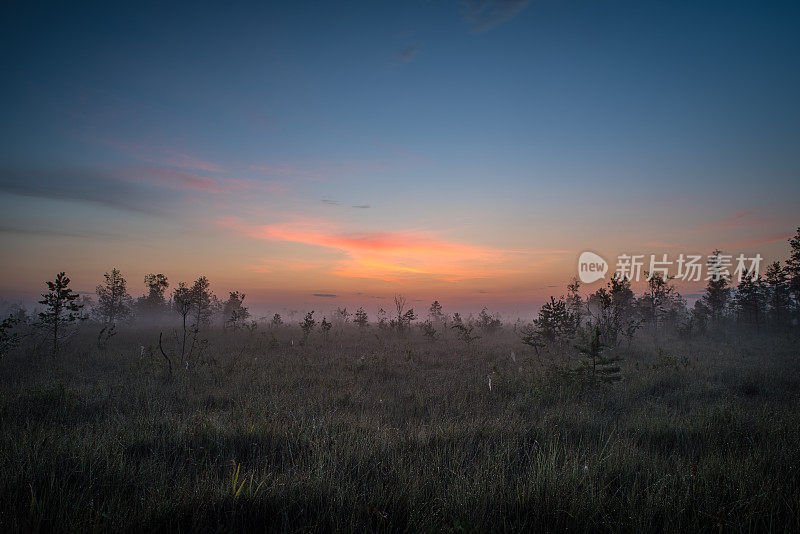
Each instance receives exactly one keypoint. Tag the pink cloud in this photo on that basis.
(187, 181)
(390, 255)
(163, 156)
(180, 180)
(760, 241)
(737, 220)
(283, 170)
(185, 161)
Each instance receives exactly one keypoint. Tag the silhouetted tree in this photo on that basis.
(277, 320)
(435, 313)
(717, 293)
(382, 323)
(8, 338)
(183, 303)
(154, 301)
(428, 330)
(325, 326)
(113, 300)
(341, 316)
(488, 323)
(750, 298)
(575, 303)
(793, 272)
(554, 324)
(400, 307)
(360, 318)
(408, 317)
(202, 301)
(777, 284)
(234, 311)
(698, 318)
(465, 332)
(623, 310)
(660, 303)
(308, 325)
(601, 312)
(603, 367)
(60, 310)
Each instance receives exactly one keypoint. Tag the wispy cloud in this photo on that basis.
(361, 206)
(78, 185)
(766, 240)
(53, 232)
(186, 181)
(484, 15)
(330, 202)
(284, 170)
(737, 220)
(180, 180)
(325, 295)
(163, 156)
(406, 54)
(173, 158)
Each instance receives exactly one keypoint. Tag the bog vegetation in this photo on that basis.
(608, 411)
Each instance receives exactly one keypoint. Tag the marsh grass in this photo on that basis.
(379, 433)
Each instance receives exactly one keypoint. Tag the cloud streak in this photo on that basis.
(484, 15)
(78, 185)
(406, 54)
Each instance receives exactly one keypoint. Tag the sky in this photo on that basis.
(317, 154)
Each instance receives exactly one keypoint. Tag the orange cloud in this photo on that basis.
(394, 255)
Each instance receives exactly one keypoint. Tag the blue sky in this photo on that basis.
(131, 134)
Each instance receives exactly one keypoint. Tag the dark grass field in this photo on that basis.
(380, 432)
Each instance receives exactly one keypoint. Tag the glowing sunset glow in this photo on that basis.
(469, 158)
(392, 256)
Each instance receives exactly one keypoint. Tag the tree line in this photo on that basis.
(607, 317)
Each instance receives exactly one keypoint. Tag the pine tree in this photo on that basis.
(8, 338)
(360, 318)
(554, 324)
(777, 282)
(61, 309)
(325, 326)
(428, 330)
(793, 271)
(602, 367)
(435, 312)
(750, 300)
(488, 323)
(575, 303)
(308, 325)
(717, 292)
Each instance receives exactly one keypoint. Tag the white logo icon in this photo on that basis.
(591, 267)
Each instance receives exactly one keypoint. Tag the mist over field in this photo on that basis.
(453, 266)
